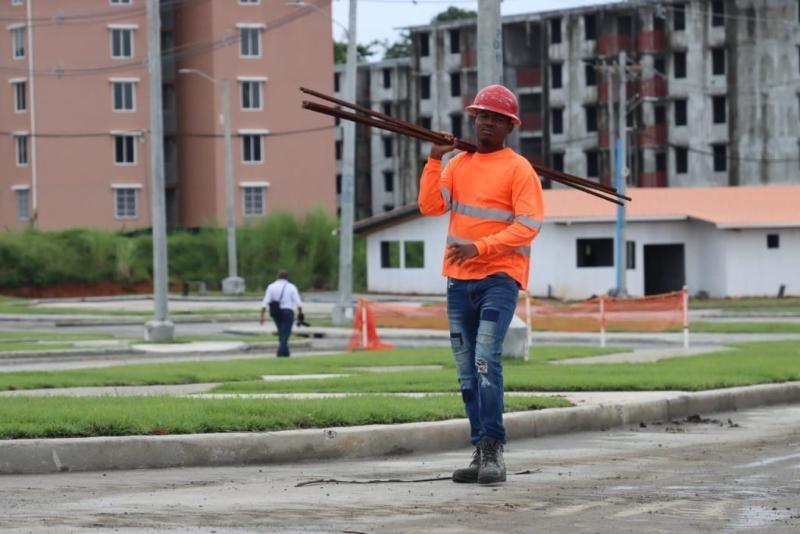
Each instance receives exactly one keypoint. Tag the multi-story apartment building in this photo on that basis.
(713, 88)
(74, 109)
(383, 174)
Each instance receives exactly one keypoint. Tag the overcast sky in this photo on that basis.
(382, 19)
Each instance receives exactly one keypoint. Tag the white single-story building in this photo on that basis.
(724, 241)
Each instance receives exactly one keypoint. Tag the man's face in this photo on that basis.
(492, 128)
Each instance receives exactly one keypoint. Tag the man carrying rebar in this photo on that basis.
(496, 209)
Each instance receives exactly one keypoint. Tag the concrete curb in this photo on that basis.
(150, 452)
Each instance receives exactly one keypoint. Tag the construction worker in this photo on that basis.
(495, 201)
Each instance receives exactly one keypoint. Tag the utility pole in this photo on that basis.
(490, 43)
(343, 311)
(234, 284)
(160, 328)
(612, 141)
(622, 175)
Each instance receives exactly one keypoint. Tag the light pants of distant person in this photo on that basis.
(284, 321)
(479, 313)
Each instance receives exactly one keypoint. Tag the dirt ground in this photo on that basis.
(736, 472)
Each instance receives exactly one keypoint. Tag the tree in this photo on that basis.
(400, 48)
(454, 13)
(363, 52)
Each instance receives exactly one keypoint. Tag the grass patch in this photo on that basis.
(58, 417)
(252, 369)
(763, 304)
(16, 346)
(745, 327)
(50, 336)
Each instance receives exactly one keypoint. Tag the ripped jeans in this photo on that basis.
(479, 313)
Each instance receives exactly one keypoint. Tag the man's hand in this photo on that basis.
(459, 253)
(437, 151)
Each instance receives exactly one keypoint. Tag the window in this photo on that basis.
(16, 2)
(679, 65)
(557, 161)
(120, 2)
(121, 43)
(20, 92)
(18, 42)
(387, 147)
(252, 201)
(679, 17)
(773, 241)
(251, 94)
(125, 149)
(338, 184)
(424, 44)
(387, 78)
(718, 104)
(625, 25)
(249, 41)
(21, 145)
(557, 120)
(388, 181)
(720, 152)
(251, 148)
(555, 31)
(455, 84)
(126, 203)
(414, 254)
(123, 95)
(591, 118)
(338, 150)
(23, 195)
(455, 41)
(717, 13)
(591, 75)
(660, 114)
(630, 255)
(390, 254)
(717, 61)
(387, 108)
(589, 28)
(424, 87)
(456, 125)
(425, 122)
(595, 252)
(681, 159)
(680, 112)
(336, 81)
(250, 2)
(661, 162)
(555, 75)
(592, 164)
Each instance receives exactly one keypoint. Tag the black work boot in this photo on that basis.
(493, 468)
(469, 475)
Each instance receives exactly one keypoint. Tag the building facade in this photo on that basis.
(75, 140)
(712, 88)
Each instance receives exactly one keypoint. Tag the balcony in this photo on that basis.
(602, 91)
(529, 77)
(653, 179)
(653, 87)
(531, 121)
(653, 135)
(614, 44)
(651, 42)
(469, 58)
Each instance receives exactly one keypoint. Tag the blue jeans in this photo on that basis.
(284, 322)
(479, 313)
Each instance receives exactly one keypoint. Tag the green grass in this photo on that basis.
(50, 336)
(763, 304)
(745, 327)
(55, 417)
(16, 346)
(252, 369)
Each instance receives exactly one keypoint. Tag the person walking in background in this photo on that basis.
(496, 209)
(281, 298)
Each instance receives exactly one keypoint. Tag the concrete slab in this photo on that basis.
(194, 346)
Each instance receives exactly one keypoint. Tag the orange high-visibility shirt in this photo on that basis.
(495, 201)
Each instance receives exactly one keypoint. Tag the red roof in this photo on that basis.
(726, 207)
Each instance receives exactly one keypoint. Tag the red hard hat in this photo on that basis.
(498, 99)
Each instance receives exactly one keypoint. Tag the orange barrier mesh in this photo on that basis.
(643, 314)
(365, 336)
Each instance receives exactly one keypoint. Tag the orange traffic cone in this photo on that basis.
(365, 335)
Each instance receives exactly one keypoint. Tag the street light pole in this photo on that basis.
(160, 328)
(344, 307)
(233, 284)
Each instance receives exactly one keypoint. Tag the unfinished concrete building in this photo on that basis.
(712, 89)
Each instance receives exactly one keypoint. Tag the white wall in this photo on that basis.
(757, 270)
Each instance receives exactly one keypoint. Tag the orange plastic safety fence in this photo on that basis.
(365, 335)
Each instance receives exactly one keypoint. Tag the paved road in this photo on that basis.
(688, 477)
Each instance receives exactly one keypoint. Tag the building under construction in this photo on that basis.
(711, 91)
